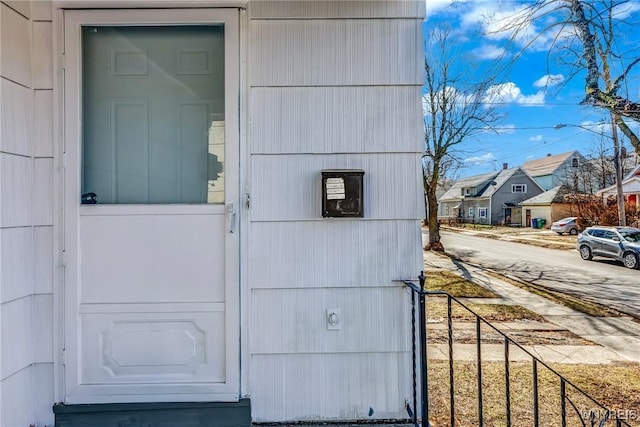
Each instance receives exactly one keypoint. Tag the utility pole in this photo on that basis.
(622, 218)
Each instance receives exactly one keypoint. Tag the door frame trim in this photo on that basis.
(67, 127)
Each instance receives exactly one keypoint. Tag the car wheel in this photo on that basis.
(573, 231)
(585, 253)
(630, 260)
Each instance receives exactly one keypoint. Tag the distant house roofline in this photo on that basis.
(548, 165)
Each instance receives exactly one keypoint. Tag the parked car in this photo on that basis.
(619, 243)
(566, 225)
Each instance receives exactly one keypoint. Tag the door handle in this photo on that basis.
(231, 217)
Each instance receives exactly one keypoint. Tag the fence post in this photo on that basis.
(452, 389)
(422, 306)
(507, 381)
(563, 402)
(479, 370)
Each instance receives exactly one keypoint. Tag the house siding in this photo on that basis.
(630, 189)
(332, 92)
(329, 85)
(468, 204)
(553, 171)
(26, 214)
(505, 195)
(552, 212)
(547, 181)
(543, 212)
(446, 210)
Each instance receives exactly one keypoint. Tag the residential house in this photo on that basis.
(165, 255)
(601, 171)
(492, 198)
(554, 170)
(553, 205)
(451, 204)
(630, 189)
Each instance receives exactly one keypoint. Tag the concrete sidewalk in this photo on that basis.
(535, 236)
(618, 338)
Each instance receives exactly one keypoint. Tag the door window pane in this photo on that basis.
(153, 114)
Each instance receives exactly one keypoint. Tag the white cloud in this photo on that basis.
(509, 93)
(624, 10)
(434, 6)
(549, 80)
(530, 33)
(506, 93)
(452, 96)
(481, 160)
(489, 52)
(536, 138)
(496, 20)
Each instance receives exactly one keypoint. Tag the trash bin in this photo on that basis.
(534, 222)
(541, 222)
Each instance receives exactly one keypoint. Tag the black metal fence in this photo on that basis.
(524, 393)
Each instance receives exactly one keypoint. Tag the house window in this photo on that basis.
(518, 188)
(447, 210)
(470, 211)
(153, 134)
(482, 212)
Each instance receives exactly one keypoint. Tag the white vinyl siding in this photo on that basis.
(26, 215)
(326, 93)
(356, 65)
(334, 52)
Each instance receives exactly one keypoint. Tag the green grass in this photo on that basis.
(459, 287)
(474, 226)
(455, 285)
(489, 312)
(575, 303)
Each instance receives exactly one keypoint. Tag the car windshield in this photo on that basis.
(631, 236)
(566, 220)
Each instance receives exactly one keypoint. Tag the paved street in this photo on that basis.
(619, 337)
(601, 280)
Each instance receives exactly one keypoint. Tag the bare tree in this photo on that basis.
(597, 170)
(596, 30)
(455, 109)
(600, 170)
(590, 31)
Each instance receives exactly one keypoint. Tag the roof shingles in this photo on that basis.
(547, 165)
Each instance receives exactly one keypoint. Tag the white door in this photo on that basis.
(151, 284)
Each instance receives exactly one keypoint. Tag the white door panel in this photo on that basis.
(152, 258)
(152, 270)
(156, 347)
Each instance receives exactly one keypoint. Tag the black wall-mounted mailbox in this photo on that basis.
(342, 193)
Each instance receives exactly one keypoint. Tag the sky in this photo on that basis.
(539, 95)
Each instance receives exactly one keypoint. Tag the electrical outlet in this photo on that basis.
(334, 322)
